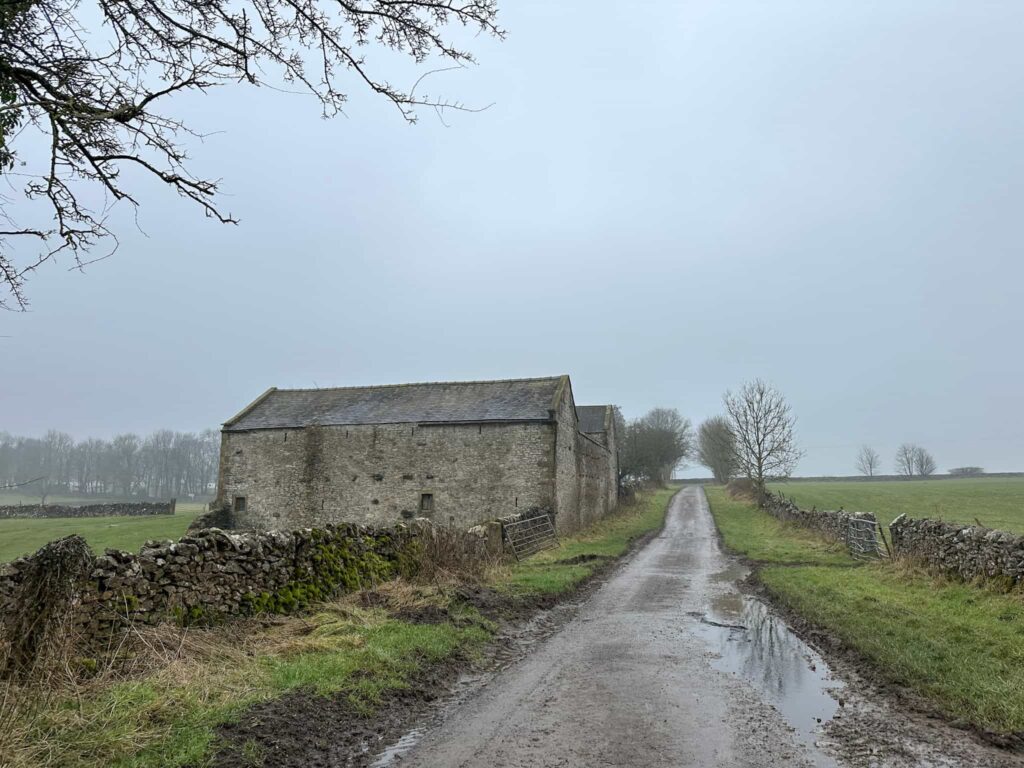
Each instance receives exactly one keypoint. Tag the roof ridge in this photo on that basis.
(419, 384)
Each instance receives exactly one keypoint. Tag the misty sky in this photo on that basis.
(666, 199)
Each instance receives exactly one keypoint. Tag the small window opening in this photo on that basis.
(239, 504)
(426, 502)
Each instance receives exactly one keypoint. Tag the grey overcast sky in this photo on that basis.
(666, 199)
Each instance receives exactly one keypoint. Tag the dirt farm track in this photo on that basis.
(670, 663)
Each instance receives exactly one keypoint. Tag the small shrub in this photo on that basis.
(446, 554)
(741, 489)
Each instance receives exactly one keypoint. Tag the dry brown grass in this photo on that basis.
(166, 657)
(157, 672)
(446, 556)
(741, 489)
(92, 707)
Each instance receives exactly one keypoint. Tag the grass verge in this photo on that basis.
(199, 679)
(956, 645)
(560, 570)
(763, 539)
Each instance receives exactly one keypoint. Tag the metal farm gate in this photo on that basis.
(529, 536)
(862, 539)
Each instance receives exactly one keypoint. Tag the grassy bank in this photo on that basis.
(164, 709)
(560, 570)
(762, 538)
(996, 502)
(956, 645)
(195, 680)
(23, 536)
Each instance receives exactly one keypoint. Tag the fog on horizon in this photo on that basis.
(665, 200)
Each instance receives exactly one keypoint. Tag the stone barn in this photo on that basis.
(456, 452)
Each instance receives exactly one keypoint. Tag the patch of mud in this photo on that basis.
(306, 730)
(580, 559)
(427, 614)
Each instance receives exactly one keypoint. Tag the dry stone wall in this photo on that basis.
(212, 574)
(88, 510)
(970, 552)
(832, 524)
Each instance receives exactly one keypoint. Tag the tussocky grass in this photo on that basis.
(957, 645)
(750, 532)
(201, 678)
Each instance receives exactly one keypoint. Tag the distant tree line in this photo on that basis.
(161, 465)
(911, 461)
(966, 471)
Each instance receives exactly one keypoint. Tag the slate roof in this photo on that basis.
(591, 417)
(441, 402)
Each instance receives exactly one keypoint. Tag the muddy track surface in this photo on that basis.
(669, 663)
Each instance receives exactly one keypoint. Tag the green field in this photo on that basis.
(996, 503)
(24, 536)
(955, 644)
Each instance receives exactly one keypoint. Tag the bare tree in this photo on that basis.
(924, 463)
(94, 83)
(905, 459)
(764, 428)
(655, 444)
(716, 448)
(868, 461)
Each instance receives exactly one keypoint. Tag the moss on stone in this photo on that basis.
(339, 564)
(193, 616)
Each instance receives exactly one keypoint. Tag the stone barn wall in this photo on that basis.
(377, 474)
(88, 510)
(567, 481)
(597, 488)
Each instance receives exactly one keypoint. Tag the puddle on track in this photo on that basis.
(394, 752)
(751, 642)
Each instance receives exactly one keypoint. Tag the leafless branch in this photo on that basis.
(99, 99)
